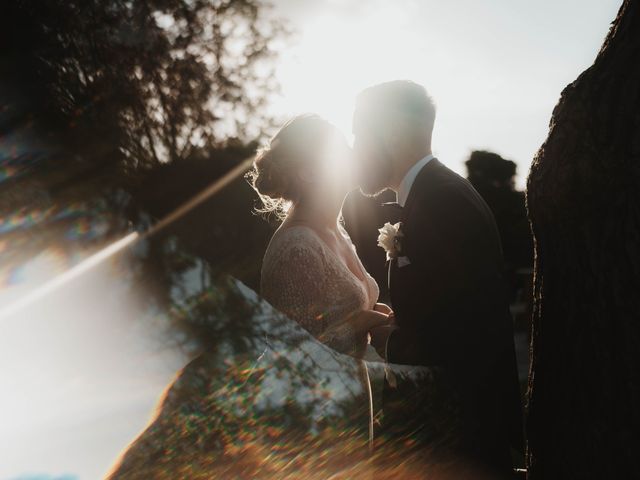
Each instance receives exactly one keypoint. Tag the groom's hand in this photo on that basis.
(379, 337)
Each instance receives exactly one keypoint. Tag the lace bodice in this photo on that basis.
(303, 278)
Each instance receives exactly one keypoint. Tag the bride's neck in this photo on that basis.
(316, 214)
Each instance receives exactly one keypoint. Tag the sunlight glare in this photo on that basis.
(335, 59)
(63, 278)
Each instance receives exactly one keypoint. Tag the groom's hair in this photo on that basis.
(381, 104)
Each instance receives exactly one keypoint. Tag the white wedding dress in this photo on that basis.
(304, 279)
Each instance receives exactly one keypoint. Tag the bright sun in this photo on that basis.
(334, 60)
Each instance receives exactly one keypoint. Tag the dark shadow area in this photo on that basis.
(494, 178)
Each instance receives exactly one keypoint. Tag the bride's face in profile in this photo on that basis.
(308, 162)
(330, 176)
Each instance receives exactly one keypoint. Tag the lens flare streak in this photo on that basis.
(126, 241)
(69, 275)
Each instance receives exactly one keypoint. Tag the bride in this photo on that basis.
(311, 271)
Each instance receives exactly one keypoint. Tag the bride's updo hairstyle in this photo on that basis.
(300, 143)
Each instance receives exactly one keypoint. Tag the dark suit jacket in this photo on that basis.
(452, 311)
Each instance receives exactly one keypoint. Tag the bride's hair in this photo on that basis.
(300, 141)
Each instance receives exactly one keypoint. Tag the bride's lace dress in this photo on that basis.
(304, 279)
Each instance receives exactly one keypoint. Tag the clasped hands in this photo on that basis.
(377, 324)
(380, 334)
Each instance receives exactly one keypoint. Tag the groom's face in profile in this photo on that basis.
(373, 162)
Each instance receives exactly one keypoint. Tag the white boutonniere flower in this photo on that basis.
(390, 239)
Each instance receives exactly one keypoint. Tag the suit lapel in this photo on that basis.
(419, 180)
(392, 278)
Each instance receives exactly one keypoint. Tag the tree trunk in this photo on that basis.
(584, 206)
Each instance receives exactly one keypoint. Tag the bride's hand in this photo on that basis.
(383, 308)
(366, 320)
(362, 323)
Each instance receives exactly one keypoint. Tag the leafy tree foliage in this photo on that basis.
(97, 93)
(115, 112)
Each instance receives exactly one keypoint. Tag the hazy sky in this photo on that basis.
(83, 368)
(495, 67)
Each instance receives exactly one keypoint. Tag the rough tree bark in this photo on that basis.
(584, 206)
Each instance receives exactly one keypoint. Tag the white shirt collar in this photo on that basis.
(409, 178)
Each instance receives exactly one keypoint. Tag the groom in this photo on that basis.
(445, 278)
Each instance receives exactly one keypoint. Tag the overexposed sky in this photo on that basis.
(495, 67)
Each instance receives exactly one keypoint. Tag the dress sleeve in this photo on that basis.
(296, 283)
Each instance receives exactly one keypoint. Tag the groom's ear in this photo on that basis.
(392, 137)
(401, 133)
